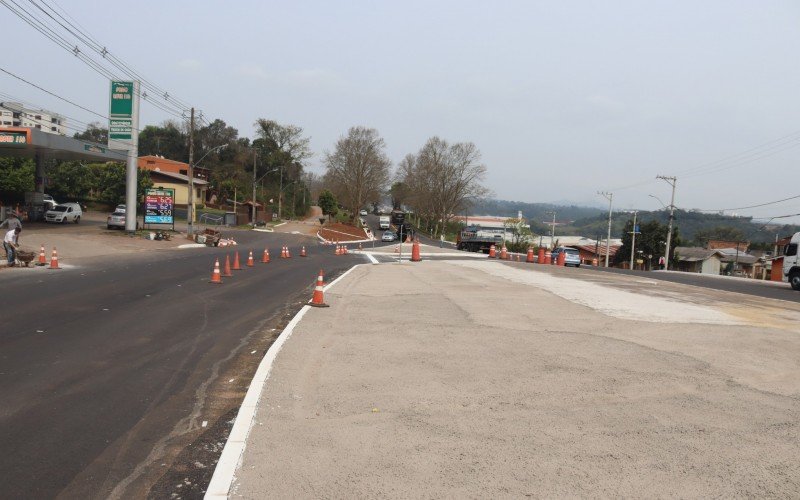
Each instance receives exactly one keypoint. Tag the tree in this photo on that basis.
(443, 178)
(94, 132)
(358, 169)
(399, 193)
(520, 234)
(111, 182)
(16, 177)
(327, 202)
(167, 140)
(71, 180)
(725, 233)
(650, 242)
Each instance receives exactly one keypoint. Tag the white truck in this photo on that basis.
(384, 222)
(791, 265)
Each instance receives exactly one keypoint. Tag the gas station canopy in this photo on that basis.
(23, 142)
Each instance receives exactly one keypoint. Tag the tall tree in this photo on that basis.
(443, 178)
(650, 242)
(358, 169)
(168, 140)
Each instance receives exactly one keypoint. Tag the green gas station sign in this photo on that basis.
(120, 126)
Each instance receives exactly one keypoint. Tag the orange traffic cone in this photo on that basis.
(541, 256)
(492, 252)
(529, 259)
(337, 251)
(236, 265)
(303, 251)
(288, 254)
(42, 258)
(318, 300)
(415, 257)
(215, 277)
(283, 252)
(517, 257)
(265, 257)
(227, 270)
(250, 262)
(504, 253)
(344, 249)
(54, 260)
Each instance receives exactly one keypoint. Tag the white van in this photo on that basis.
(383, 222)
(64, 212)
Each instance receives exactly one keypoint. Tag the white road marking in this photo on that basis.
(371, 258)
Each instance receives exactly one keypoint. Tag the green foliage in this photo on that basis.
(167, 140)
(650, 242)
(327, 202)
(71, 180)
(110, 182)
(726, 233)
(16, 178)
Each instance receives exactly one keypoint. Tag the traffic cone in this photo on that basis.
(359, 247)
(284, 251)
(492, 252)
(265, 257)
(303, 251)
(337, 251)
(215, 277)
(529, 259)
(54, 260)
(504, 253)
(288, 254)
(541, 255)
(250, 262)
(415, 257)
(344, 249)
(562, 258)
(518, 258)
(227, 271)
(318, 299)
(236, 265)
(42, 258)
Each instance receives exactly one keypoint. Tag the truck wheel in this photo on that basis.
(794, 280)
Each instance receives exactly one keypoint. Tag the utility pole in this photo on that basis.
(190, 203)
(672, 181)
(280, 194)
(633, 237)
(610, 198)
(255, 211)
(552, 228)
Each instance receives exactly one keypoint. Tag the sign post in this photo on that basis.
(123, 134)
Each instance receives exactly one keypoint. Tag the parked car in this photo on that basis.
(388, 236)
(64, 212)
(116, 220)
(362, 213)
(572, 257)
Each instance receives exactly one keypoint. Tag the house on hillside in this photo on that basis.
(175, 175)
(731, 261)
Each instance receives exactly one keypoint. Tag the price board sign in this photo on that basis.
(158, 206)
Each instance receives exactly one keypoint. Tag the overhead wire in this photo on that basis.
(172, 106)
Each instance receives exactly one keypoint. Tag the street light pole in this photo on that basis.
(552, 227)
(672, 181)
(610, 197)
(255, 211)
(280, 194)
(633, 237)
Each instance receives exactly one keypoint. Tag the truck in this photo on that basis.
(477, 239)
(398, 217)
(384, 222)
(791, 265)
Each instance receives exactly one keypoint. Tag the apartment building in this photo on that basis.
(14, 114)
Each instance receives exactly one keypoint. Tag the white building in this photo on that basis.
(14, 114)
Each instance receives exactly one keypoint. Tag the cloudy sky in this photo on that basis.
(563, 98)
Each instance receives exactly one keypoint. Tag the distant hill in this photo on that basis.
(593, 222)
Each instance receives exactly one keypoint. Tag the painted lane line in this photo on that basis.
(371, 258)
(232, 453)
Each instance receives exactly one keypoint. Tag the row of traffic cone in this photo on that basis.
(317, 300)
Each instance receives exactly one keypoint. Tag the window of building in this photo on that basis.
(39, 127)
(38, 117)
(54, 129)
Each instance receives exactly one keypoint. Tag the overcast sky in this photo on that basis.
(563, 98)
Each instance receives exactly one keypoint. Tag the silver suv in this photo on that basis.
(572, 257)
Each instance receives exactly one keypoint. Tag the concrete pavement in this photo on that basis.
(488, 379)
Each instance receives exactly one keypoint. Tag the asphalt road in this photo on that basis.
(739, 285)
(101, 364)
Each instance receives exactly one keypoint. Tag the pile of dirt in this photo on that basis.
(342, 232)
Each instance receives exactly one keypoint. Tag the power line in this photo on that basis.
(52, 94)
(172, 106)
(751, 206)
